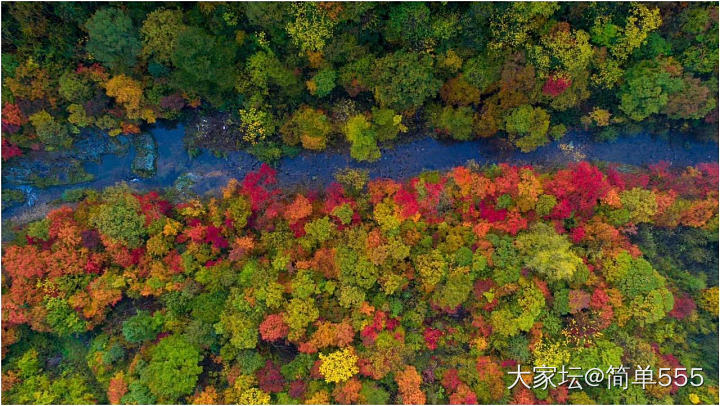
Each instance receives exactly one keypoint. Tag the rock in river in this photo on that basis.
(144, 164)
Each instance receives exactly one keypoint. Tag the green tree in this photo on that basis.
(52, 133)
(39, 229)
(455, 122)
(647, 89)
(257, 125)
(300, 313)
(173, 369)
(37, 386)
(528, 127)
(73, 88)
(359, 132)
(113, 39)
(323, 82)
(239, 321)
(205, 65)
(138, 394)
(519, 313)
(266, 75)
(455, 291)
(119, 218)
(78, 117)
(562, 49)
(640, 22)
(431, 268)
(141, 327)
(641, 204)
(409, 24)
(311, 27)
(62, 318)
(482, 71)
(404, 80)
(387, 124)
(512, 24)
(160, 31)
(357, 76)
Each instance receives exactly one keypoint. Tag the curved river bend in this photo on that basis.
(403, 160)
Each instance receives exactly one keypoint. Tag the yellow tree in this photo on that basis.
(126, 91)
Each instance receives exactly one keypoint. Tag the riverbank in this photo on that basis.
(174, 167)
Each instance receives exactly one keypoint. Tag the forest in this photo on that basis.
(472, 282)
(289, 76)
(424, 291)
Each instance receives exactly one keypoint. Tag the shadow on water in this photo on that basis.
(312, 169)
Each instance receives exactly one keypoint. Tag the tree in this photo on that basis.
(480, 72)
(339, 366)
(408, 381)
(74, 88)
(556, 85)
(53, 134)
(12, 117)
(641, 204)
(563, 49)
(119, 218)
(528, 127)
(549, 254)
(126, 91)
(257, 125)
(431, 268)
(409, 24)
(30, 384)
(62, 318)
(173, 369)
(141, 327)
(322, 83)
(641, 21)
(270, 380)
(511, 25)
(455, 122)
(265, 73)
(693, 101)
(310, 28)
(78, 117)
(273, 328)
(348, 393)
(459, 92)
(356, 76)
(298, 210)
(404, 80)
(359, 132)
(387, 124)
(308, 126)
(300, 313)
(117, 388)
(455, 291)
(112, 38)
(160, 31)
(709, 300)
(647, 89)
(205, 65)
(519, 314)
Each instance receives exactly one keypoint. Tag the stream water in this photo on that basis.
(309, 169)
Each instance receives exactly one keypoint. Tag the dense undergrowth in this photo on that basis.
(428, 291)
(312, 74)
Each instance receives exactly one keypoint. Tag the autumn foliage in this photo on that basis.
(448, 280)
